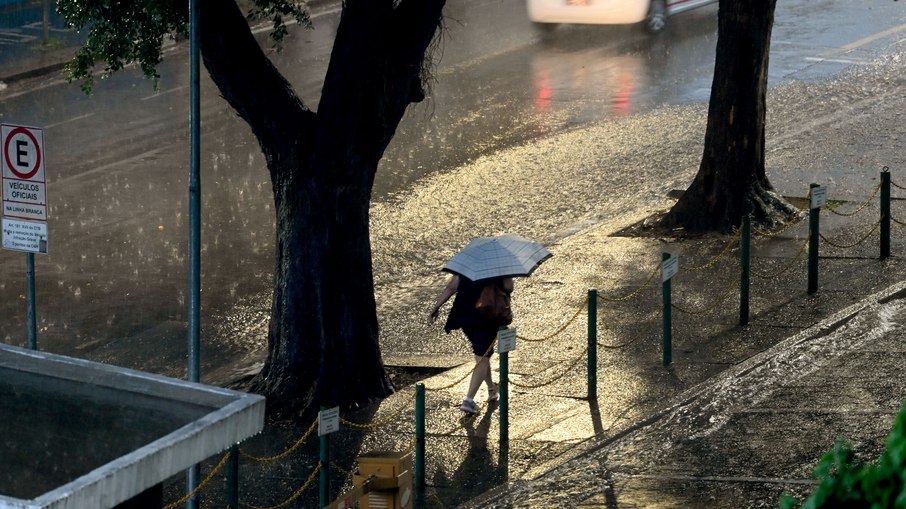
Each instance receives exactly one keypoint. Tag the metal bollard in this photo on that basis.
(324, 474)
(813, 237)
(592, 343)
(232, 489)
(419, 436)
(503, 388)
(745, 243)
(667, 336)
(885, 214)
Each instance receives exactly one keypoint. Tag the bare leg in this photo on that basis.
(481, 373)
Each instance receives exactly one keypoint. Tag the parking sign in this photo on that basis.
(24, 188)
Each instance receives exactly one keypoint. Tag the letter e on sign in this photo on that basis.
(23, 152)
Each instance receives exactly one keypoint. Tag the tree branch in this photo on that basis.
(375, 69)
(246, 77)
(415, 24)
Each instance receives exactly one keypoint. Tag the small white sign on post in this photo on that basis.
(818, 197)
(670, 268)
(506, 340)
(328, 421)
(28, 236)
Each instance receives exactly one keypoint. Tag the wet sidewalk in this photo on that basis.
(752, 433)
(741, 416)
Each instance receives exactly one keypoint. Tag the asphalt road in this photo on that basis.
(113, 286)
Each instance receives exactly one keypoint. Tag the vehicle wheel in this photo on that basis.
(657, 16)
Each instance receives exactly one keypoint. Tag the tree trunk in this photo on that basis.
(731, 180)
(323, 345)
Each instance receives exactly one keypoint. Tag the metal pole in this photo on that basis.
(745, 266)
(885, 214)
(504, 397)
(232, 489)
(46, 22)
(31, 315)
(324, 474)
(194, 269)
(813, 234)
(592, 343)
(667, 343)
(419, 436)
(194, 200)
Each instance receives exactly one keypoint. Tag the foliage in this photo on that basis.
(120, 33)
(125, 32)
(844, 483)
(277, 10)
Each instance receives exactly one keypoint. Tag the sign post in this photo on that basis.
(328, 422)
(817, 199)
(506, 343)
(24, 204)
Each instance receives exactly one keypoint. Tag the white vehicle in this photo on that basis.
(609, 12)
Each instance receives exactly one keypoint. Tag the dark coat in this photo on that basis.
(463, 314)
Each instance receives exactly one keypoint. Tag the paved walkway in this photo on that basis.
(752, 433)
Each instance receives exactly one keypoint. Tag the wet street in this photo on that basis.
(534, 132)
(567, 138)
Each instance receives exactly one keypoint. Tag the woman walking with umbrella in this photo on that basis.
(487, 264)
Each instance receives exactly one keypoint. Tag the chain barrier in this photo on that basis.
(720, 300)
(563, 373)
(376, 424)
(486, 352)
(292, 497)
(348, 473)
(787, 267)
(648, 331)
(341, 470)
(201, 485)
(463, 422)
(285, 453)
(454, 384)
(833, 209)
(898, 186)
(768, 235)
(637, 291)
(561, 329)
(733, 241)
(847, 246)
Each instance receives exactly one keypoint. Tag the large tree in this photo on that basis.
(731, 180)
(322, 164)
